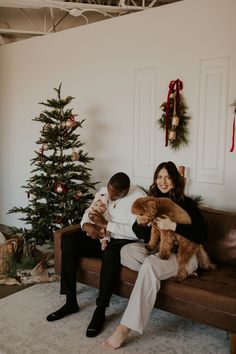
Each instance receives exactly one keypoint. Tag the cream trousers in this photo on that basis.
(151, 270)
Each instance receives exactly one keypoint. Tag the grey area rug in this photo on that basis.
(24, 329)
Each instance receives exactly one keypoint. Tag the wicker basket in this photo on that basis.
(7, 250)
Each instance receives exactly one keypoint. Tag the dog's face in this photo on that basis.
(99, 206)
(145, 209)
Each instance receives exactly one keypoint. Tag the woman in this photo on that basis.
(167, 183)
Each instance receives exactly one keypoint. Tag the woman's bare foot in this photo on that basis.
(117, 338)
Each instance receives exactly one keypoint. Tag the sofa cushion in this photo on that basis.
(221, 242)
(215, 288)
(210, 298)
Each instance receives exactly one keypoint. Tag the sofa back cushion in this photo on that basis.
(221, 242)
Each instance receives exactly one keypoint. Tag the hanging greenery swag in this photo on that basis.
(174, 119)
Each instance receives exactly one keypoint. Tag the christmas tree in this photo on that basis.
(60, 187)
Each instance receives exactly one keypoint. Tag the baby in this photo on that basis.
(100, 206)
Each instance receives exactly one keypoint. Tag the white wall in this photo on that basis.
(119, 71)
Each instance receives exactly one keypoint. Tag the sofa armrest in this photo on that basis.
(65, 231)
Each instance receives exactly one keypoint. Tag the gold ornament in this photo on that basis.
(69, 123)
(47, 127)
(172, 134)
(45, 147)
(75, 155)
(175, 121)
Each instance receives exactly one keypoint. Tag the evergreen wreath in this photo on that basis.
(174, 119)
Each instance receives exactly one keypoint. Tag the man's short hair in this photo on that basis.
(120, 181)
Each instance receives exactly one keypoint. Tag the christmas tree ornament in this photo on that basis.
(59, 187)
(45, 147)
(31, 195)
(58, 219)
(78, 195)
(71, 122)
(174, 119)
(74, 155)
(47, 127)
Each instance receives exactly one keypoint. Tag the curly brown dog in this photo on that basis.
(147, 210)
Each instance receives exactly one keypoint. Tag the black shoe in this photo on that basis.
(97, 323)
(62, 312)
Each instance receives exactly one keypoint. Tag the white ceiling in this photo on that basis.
(21, 19)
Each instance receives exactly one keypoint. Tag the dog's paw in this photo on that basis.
(178, 279)
(193, 275)
(150, 247)
(210, 266)
(180, 276)
(164, 255)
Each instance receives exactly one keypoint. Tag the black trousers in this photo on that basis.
(80, 245)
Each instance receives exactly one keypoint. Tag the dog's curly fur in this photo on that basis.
(147, 210)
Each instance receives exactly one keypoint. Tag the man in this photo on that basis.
(121, 195)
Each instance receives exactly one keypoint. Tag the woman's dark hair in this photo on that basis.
(177, 193)
(120, 181)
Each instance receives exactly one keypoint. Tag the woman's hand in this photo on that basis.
(165, 223)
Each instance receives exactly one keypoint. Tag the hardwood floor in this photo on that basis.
(6, 290)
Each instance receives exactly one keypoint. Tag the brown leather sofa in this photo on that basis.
(209, 299)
